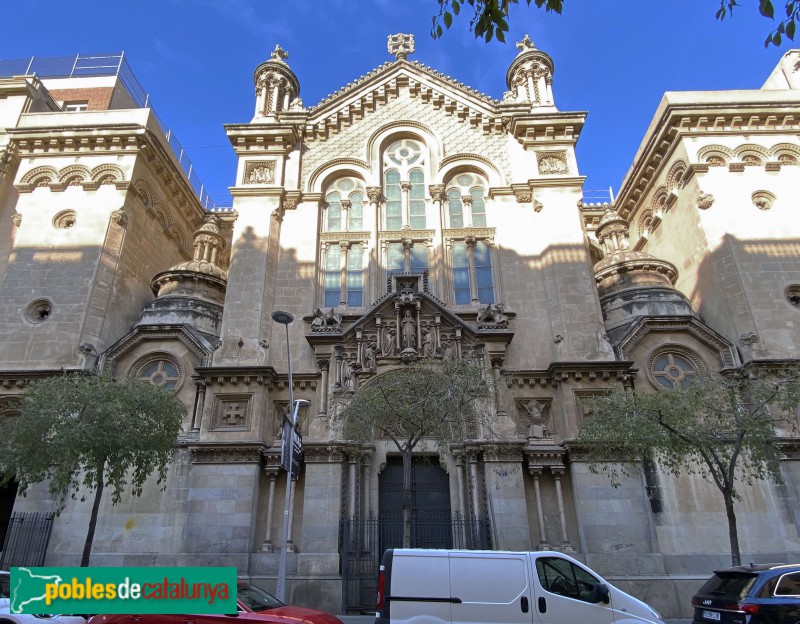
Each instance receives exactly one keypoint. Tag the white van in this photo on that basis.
(418, 586)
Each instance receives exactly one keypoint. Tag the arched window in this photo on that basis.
(404, 185)
(159, 369)
(466, 204)
(344, 206)
(673, 367)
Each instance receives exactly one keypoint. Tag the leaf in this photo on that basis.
(790, 28)
(501, 37)
(766, 8)
(456, 7)
(448, 19)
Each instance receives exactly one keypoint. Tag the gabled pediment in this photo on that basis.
(405, 325)
(366, 94)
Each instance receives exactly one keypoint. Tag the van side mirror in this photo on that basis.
(600, 593)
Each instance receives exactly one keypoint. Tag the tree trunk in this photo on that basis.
(407, 499)
(733, 533)
(87, 547)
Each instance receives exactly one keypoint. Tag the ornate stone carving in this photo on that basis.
(763, 200)
(748, 339)
(537, 205)
(534, 415)
(526, 44)
(705, 201)
(492, 317)
(552, 163)
(408, 331)
(330, 323)
(226, 455)
(120, 217)
(17, 219)
(437, 192)
(523, 197)
(400, 45)
(368, 355)
(374, 193)
(259, 172)
(279, 54)
(231, 412)
(323, 454)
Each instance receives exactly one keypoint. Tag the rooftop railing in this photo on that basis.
(109, 65)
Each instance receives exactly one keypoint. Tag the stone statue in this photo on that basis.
(318, 321)
(348, 379)
(409, 331)
(448, 351)
(493, 315)
(534, 412)
(387, 340)
(368, 356)
(332, 318)
(427, 343)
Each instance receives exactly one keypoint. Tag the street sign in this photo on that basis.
(291, 448)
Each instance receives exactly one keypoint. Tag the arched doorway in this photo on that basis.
(8, 493)
(430, 503)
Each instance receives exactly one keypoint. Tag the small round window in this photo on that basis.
(39, 311)
(160, 370)
(673, 367)
(64, 220)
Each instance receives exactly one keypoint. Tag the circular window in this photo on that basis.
(405, 152)
(792, 294)
(159, 369)
(39, 311)
(673, 367)
(64, 220)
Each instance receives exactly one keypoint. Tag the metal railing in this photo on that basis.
(80, 66)
(26, 539)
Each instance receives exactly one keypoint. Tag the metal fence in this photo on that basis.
(26, 539)
(364, 541)
(81, 66)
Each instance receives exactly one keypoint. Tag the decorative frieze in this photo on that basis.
(259, 172)
(249, 454)
(552, 163)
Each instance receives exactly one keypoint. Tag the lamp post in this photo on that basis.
(284, 318)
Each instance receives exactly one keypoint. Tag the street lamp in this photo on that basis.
(284, 318)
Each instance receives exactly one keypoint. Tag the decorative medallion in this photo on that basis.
(259, 172)
(552, 163)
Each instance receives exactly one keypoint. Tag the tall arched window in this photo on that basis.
(344, 206)
(404, 185)
(466, 204)
(473, 280)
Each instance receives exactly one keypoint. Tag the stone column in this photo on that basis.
(405, 187)
(536, 472)
(458, 459)
(374, 193)
(471, 241)
(466, 201)
(322, 389)
(199, 405)
(557, 474)
(345, 216)
(345, 247)
(272, 474)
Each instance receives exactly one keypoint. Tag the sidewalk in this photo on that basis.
(368, 619)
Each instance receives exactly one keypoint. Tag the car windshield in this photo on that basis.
(256, 599)
(5, 586)
(731, 584)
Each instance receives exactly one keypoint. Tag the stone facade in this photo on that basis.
(404, 216)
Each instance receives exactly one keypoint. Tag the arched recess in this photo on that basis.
(715, 155)
(397, 130)
(73, 175)
(9, 408)
(786, 153)
(339, 168)
(107, 173)
(40, 176)
(474, 163)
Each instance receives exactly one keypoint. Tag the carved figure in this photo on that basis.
(409, 331)
(348, 381)
(332, 318)
(536, 420)
(387, 341)
(493, 314)
(259, 174)
(318, 320)
(427, 343)
(368, 356)
(448, 351)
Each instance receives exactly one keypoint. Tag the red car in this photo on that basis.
(254, 605)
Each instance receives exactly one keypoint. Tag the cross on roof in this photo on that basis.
(400, 45)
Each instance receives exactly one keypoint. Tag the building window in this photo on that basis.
(404, 185)
(473, 280)
(159, 369)
(673, 367)
(466, 204)
(76, 107)
(343, 277)
(406, 257)
(344, 206)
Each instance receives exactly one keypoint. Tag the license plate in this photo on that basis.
(711, 615)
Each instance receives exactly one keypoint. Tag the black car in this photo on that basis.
(753, 594)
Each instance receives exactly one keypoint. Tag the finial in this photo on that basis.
(400, 45)
(525, 45)
(279, 54)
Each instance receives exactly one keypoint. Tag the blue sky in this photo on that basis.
(613, 58)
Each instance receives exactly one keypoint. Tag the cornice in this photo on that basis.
(562, 372)
(551, 181)
(260, 138)
(20, 379)
(333, 453)
(676, 121)
(547, 129)
(142, 333)
(222, 375)
(257, 191)
(236, 453)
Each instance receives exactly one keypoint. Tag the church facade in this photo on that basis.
(405, 216)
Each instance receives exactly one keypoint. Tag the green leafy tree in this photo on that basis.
(489, 18)
(722, 428)
(88, 432)
(425, 401)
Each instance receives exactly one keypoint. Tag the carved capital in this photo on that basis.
(374, 193)
(323, 363)
(437, 192)
(120, 217)
(17, 219)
